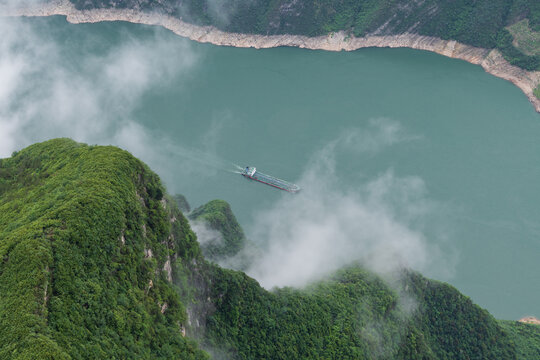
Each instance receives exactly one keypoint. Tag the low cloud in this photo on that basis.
(306, 236)
(45, 96)
(379, 222)
(205, 234)
(11, 4)
(378, 134)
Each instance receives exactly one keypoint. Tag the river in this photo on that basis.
(472, 141)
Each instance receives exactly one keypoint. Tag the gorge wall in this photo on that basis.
(491, 60)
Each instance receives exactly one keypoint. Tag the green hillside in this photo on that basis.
(526, 337)
(353, 315)
(480, 23)
(218, 216)
(77, 223)
(98, 262)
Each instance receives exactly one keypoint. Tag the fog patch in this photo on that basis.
(13, 4)
(378, 134)
(212, 241)
(205, 234)
(44, 96)
(326, 226)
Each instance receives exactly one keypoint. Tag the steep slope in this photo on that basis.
(526, 338)
(96, 261)
(478, 23)
(84, 236)
(353, 315)
(182, 203)
(432, 25)
(218, 216)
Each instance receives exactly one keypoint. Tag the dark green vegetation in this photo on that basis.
(526, 338)
(525, 39)
(75, 221)
(353, 315)
(182, 203)
(218, 216)
(515, 56)
(479, 23)
(96, 261)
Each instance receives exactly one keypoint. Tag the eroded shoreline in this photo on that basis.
(490, 60)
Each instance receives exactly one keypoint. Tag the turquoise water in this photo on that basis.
(473, 139)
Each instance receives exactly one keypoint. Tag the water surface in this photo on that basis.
(473, 139)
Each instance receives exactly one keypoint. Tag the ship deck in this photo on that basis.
(270, 180)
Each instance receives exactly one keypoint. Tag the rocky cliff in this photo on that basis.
(491, 60)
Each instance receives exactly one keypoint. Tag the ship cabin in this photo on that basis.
(249, 171)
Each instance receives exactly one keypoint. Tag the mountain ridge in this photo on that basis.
(99, 262)
(491, 60)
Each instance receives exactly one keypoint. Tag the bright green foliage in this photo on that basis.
(89, 244)
(479, 23)
(217, 215)
(74, 282)
(353, 315)
(537, 92)
(526, 338)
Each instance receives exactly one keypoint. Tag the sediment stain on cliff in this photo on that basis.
(491, 60)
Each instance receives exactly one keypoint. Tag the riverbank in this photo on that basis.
(490, 60)
(530, 320)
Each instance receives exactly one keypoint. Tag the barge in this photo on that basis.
(251, 172)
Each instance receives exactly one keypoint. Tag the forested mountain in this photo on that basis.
(481, 23)
(218, 217)
(97, 261)
(84, 234)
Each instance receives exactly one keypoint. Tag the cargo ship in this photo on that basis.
(251, 173)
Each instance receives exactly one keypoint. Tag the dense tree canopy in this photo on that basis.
(96, 261)
(479, 23)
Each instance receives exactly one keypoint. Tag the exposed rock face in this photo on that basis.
(491, 60)
(168, 269)
(530, 320)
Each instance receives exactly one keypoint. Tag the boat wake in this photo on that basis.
(209, 160)
(237, 169)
